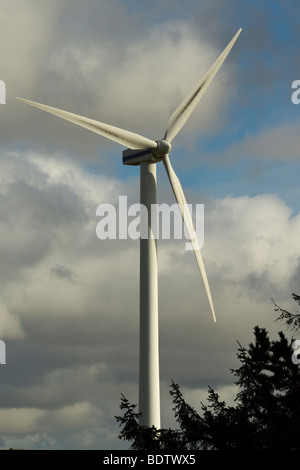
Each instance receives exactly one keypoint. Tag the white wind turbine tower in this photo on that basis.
(146, 153)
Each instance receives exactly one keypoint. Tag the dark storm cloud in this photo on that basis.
(64, 272)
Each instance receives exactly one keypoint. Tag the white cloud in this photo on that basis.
(19, 420)
(79, 415)
(25, 39)
(32, 420)
(139, 83)
(10, 325)
(261, 235)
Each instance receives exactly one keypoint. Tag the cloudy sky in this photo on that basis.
(69, 303)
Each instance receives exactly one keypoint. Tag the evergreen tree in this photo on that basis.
(266, 415)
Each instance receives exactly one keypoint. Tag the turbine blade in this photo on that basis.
(123, 137)
(181, 201)
(183, 112)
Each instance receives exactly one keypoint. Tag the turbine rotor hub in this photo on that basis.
(163, 148)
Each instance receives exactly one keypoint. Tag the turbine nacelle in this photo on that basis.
(151, 155)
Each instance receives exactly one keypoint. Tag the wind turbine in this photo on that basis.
(146, 153)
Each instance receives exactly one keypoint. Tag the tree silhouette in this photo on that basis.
(291, 319)
(266, 414)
